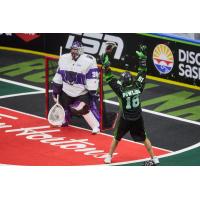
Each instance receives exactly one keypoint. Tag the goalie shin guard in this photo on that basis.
(92, 121)
(67, 118)
(80, 109)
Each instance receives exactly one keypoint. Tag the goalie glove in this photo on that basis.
(142, 55)
(57, 89)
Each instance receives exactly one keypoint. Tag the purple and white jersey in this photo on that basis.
(77, 77)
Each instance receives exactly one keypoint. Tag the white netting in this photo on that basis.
(56, 115)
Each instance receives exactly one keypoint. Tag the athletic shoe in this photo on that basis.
(95, 130)
(108, 159)
(152, 162)
(156, 160)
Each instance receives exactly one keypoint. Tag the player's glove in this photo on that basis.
(142, 55)
(57, 89)
(105, 60)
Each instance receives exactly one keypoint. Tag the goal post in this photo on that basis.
(51, 65)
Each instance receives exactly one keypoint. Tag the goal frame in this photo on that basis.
(48, 91)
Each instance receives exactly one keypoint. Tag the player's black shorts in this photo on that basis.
(66, 100)
(136, 129)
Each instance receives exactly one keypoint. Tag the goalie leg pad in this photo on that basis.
(79, 108)
(91, 120)
(94, 108)
(67, 117)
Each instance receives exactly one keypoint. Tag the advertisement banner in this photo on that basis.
(168, 58)
(31, 41)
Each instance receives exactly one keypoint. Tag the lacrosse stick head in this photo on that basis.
(56, 116)
(109, 47)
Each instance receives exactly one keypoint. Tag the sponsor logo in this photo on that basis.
(189, 64)
(95, 43)
(39, 133)
(39, 144)
(27, 37)
(163, 59)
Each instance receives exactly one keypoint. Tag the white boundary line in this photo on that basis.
(23, 112)
(21, 94)
(22, 84)
(159, 114)
(7, 116)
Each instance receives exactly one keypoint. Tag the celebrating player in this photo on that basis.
(76, 81)
(129, 90)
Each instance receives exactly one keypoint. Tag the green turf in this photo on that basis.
(188, 158)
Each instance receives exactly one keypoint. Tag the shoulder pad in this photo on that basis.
(88, 56)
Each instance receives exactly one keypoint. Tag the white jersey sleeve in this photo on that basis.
(58, 78)
(92, 75)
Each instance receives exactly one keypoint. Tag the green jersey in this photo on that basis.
(129, 97)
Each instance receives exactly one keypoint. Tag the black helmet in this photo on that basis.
(126, 79)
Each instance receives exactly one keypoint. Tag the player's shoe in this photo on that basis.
(95, 130)
(108, 159)
(156, 160)
(153, 162)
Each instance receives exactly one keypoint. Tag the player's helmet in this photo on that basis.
(126, 79)
(76, 49)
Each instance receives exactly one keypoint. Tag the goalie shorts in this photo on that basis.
(135, 128)
(66, 100)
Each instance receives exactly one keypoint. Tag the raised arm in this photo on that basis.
(110, 79)
(142, 68)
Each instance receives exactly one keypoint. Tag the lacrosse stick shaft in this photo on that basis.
(60, 51)
(57, 99)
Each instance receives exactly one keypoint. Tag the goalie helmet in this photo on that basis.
(126, 79)
(76, 49)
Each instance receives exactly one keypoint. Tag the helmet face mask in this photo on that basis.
(76, 49)
(126, 79)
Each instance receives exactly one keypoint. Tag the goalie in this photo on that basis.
(76, 82)
(128, 90)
